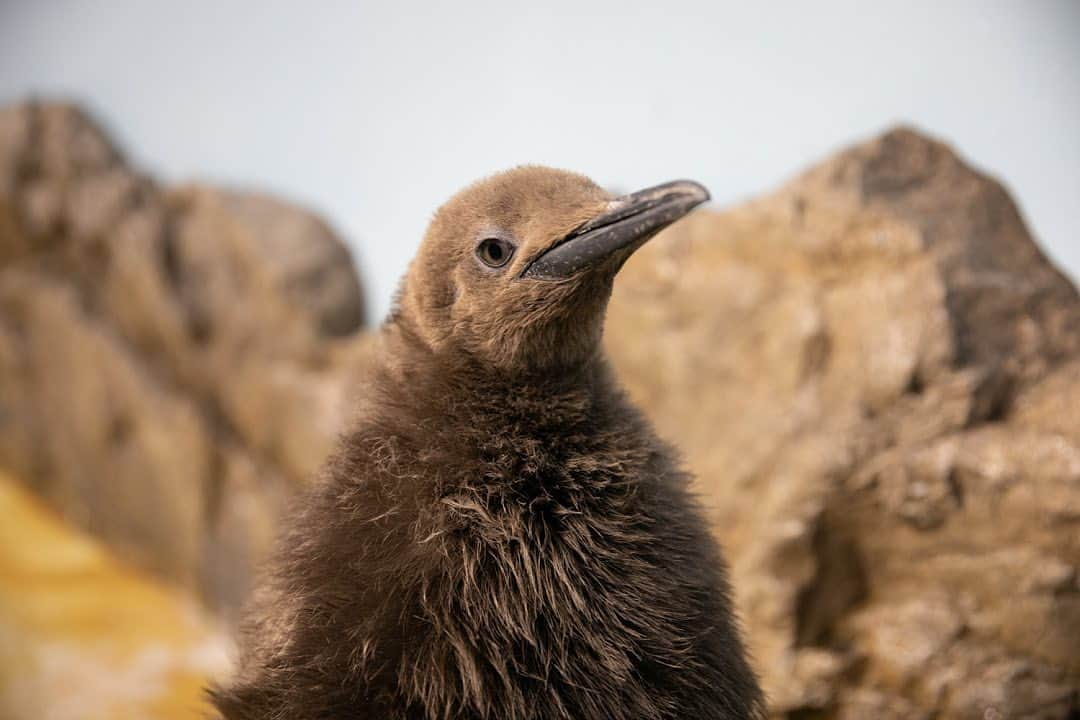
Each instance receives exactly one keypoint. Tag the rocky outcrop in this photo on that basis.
(171, 361)
(875, 374)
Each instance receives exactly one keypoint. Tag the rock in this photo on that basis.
(304, 258)
(121, 455)
(870, 372)
(908, 635)
(172, 362)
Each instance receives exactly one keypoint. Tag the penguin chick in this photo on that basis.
(501, 535)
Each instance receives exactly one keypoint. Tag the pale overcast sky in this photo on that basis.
(374, 113)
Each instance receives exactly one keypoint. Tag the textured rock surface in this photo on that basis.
(875, 374)
(168, 359)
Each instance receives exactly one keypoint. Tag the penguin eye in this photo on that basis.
(494, 252)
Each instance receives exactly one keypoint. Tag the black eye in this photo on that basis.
(494, 252)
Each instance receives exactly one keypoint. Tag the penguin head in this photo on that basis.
(516, 270)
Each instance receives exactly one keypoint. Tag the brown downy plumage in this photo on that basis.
(501, 535)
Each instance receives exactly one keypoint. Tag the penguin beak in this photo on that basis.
(627, 224)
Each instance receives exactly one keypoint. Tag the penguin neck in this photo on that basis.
(414, 375)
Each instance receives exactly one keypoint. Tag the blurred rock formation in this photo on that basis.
(170, 360)
(874, 373)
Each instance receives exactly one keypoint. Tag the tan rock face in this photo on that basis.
(873, 372)
(870, 371)
(169, 366)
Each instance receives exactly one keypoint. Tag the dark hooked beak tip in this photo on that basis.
(628, 223)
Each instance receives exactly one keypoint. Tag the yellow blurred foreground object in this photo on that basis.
(84, 637)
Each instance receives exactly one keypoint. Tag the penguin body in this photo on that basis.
(500, 535)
